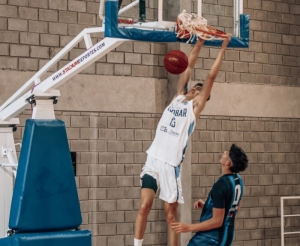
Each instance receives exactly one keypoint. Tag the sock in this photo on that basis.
(138, 242)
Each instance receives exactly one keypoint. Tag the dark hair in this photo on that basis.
(201, 84)
(238, 158)
(185, 88)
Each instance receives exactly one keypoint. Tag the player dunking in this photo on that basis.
(162, 167)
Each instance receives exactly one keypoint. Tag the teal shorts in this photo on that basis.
(201, 240)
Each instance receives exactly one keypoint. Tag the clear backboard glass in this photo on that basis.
(160, 15)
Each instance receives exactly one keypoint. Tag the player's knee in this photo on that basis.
(144, 209)
(170, 217)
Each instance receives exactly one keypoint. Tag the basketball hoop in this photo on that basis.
(191, 26)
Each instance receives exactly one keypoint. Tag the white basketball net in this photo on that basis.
(191, 26)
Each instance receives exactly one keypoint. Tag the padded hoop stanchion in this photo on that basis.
(68, 238)
(45, 194)
(45, 208)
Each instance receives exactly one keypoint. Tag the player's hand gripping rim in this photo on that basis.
(226, 41)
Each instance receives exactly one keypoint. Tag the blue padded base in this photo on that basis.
(45, 196)
(5, 241)
(67, 238)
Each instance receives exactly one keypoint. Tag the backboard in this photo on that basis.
(139, 21)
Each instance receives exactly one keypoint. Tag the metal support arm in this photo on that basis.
(12, 108)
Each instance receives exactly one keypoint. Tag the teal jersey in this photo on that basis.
(226, 193)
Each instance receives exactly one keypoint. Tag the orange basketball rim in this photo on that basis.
(191, 25)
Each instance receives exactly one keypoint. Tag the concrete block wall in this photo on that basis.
(111, 146)
(272, 145)
(32, 32)
(273, 55)
(111, 149)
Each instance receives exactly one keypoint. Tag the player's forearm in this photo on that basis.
(206, 225)
(194, 53)
(218, 62)
(216, 66)
(207, 87)
(185, 76)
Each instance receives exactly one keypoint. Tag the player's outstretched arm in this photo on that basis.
(215, 222)
(185, 76)
(200, 100)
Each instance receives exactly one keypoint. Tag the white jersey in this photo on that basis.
(173, 130)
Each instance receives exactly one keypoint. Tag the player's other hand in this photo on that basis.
(179, 227)
(199, 204)
(226, 41)
(201, 40)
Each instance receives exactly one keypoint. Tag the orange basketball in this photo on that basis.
(176, 62)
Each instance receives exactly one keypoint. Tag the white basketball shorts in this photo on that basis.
(168, 179)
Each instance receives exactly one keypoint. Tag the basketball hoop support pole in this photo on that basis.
(160, 11)
(46, 88)
(129, 6)
(199, 7)
(143, 10)
(8, 165)
(238, 10)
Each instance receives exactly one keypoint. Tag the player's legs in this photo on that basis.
(158, 175)
(149, 188)
(147, 196)
(172, 216)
